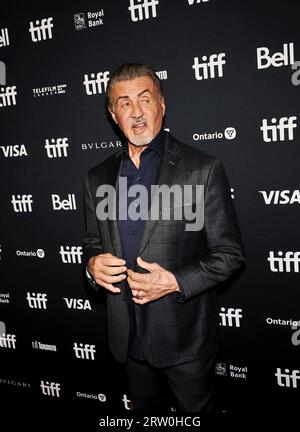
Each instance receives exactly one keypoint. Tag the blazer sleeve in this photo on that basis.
(225, 251)
(92, 244)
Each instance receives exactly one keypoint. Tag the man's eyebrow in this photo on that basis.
(139, 94)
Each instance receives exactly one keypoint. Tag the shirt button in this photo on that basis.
(133, 232)
(138, 178)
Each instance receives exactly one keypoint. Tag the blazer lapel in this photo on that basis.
(170, 163)
(113, 224)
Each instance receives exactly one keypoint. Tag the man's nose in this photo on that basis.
(137, 111)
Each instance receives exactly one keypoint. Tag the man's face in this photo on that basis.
(138, 109)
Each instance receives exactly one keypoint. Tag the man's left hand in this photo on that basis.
(147, 287)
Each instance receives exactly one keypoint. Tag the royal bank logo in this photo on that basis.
(287, 262)
(79, 21)
(281, 129)
(41, 30)
(142, 9)
(209, 67)
(4, 38)
(71, 254)
(230, 317)
(221, 369)
(279, 197)
(37, 300)
(278, 59)
(232, 371)
(101, 145)
(14, 150)
(96, 83)
(8, 96)
(89, 19)
(63, 204)
(22, 203)
(50, 388)
(8, 341)
(4, 299)
(57, 147)
(287, 378)
(57, 89)
(84, 351)
(78, 304)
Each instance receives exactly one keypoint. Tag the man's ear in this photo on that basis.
(163, 105)
(113, 114)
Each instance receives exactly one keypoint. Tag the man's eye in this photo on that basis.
(125, 105)
(146, 101)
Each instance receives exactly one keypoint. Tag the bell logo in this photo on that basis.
(142, 11)
(264, 60)
(4, 39)
(278, 129)
(66, 204)
(211, 68)
(287, 379)
(231, 318)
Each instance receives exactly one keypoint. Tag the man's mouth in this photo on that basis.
(139, 127)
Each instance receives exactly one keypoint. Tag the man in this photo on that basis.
(159, 276)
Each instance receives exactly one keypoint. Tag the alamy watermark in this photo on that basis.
(296, 75)
(168, 203)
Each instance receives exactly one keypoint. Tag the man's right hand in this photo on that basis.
(106, 270)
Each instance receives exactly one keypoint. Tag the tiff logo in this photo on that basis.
(22, 203)
(209, 68)
(274, 131)
(57, 148)
(287, 263)
(191, 2)
(71, 255)
(285, 58)
(2, 73)
(37, 300)
(96, 83)
(8, 340)
(231, 318)
(85, 351)
(41, 30)
(4, 39)
(63, 204)
(287, 379)
(142, 11)
(127, 402)
(8, 96)
(50, 389)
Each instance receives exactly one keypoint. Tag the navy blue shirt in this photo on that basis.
(131, 231)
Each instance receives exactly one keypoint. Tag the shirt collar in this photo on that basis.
(157, 144)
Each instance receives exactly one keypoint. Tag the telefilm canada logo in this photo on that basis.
(58, 89)
(85, 20)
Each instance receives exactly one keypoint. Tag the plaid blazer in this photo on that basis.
(174, 330)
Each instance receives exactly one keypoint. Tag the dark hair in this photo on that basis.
(130, 71)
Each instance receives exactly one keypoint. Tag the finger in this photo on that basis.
(111, 271)
(107, 286)
(139, 277)
(134, 285)
(111, 279)
(112, 261)
(146, 265)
